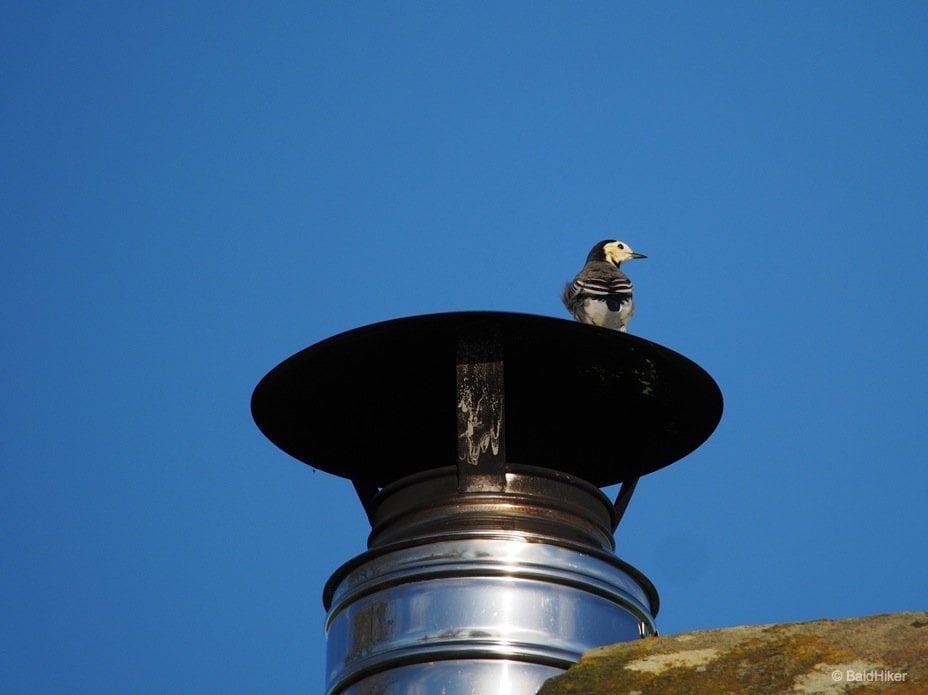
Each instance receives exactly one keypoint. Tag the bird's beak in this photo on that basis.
(638, 255)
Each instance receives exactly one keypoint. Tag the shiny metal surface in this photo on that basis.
(489, 566)
(509, 599)
(474, 677)
(538, 501)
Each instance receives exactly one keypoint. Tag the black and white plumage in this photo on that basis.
(601, 294)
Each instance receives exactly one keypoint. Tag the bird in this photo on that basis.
(601, 294)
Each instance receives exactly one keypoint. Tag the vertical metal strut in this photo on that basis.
(480, 409)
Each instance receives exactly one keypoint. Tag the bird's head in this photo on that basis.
(615, 252)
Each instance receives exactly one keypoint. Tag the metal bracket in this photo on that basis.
(480, 410)
(366, 493)
(622, 500)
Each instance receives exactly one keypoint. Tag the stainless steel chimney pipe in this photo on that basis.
(486, 592)
(477, 443)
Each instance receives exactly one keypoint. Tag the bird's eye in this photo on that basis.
(621, 247)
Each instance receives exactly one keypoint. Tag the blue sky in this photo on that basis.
(191, 192)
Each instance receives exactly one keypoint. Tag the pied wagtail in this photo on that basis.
(601, 294)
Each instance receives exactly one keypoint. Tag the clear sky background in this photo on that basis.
(191, 192)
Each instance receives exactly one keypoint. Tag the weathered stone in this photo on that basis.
(878, 654)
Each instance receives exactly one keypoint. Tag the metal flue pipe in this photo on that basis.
(490, 564)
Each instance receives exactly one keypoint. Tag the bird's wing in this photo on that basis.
(602, 282)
